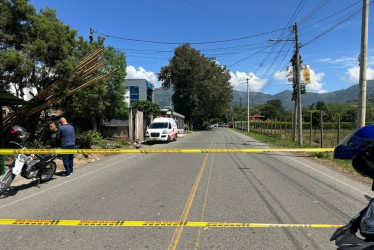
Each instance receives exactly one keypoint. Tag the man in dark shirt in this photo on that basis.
(66, 134)
(53, 142)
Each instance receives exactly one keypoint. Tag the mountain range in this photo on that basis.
(162, 97)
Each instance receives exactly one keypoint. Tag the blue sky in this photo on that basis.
(235, 32)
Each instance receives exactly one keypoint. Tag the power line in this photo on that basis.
(330, 16)
(245, 58)
(293, 17)
(316, 9)
(336, 25)
(192, 43)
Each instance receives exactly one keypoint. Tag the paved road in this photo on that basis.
(250, 188)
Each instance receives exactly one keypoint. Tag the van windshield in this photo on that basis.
(159, 125)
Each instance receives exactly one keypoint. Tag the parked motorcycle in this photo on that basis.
(359, 232)
(41, 167)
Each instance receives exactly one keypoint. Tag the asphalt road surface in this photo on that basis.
(232, 188)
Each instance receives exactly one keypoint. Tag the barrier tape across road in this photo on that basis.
(97, 223)
(28, 222)
(155, 151)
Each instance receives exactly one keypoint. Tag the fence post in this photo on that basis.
(321, 118)
(338, 141)
(285, 128)
(293, 127)
(311, 128)
(271, 128)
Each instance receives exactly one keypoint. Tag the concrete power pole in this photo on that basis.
(248, 102)
(241, 114)
(361, 115)
(297, 69)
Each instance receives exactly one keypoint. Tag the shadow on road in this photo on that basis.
(13, 190)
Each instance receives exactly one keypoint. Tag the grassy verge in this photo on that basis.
(327, 157)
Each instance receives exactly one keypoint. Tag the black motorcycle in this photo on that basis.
(359, 232)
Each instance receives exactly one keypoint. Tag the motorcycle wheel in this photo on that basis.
(6, 181)
(47, 172)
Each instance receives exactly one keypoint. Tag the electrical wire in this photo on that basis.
(245, 58)
(337, 25)
(313, 12)
(192, 43)
(328, 17)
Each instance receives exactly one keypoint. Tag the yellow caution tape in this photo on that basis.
(103, 223)
(152, 151)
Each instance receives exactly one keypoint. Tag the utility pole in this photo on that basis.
(361, 115)
(241, 114)
(297, 69)
(91, 34)
(248, 78)
(297, 117)
(170, 96)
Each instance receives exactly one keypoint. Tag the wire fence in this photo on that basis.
(325, 134)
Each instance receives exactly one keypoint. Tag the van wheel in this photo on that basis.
(168, 140)
(175, 138)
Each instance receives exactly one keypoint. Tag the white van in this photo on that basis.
(162, 129)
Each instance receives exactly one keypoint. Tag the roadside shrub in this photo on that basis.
(103, 144)
(87, 138)
(120, 143)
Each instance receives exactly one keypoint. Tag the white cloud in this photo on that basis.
(370, 60)
(342, 62)
(141, 73)
(239, 81)
(280, 76)
(316, 84)
(324, 60)
(352, 74)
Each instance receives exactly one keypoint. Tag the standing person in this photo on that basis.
(53, 142)
(66, 134)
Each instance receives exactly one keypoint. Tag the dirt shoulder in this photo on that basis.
(350, 173)
(80, 160)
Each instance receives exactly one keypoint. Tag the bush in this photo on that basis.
(87, 138)
(120, 143)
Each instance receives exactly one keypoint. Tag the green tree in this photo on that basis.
(272, 109)
(239, 112)
(350, 114)
(103, 100)
(35, 48)
(149, 108)
(201, 86)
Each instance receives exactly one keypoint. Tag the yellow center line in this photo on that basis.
(205, 201)
(178, 231)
